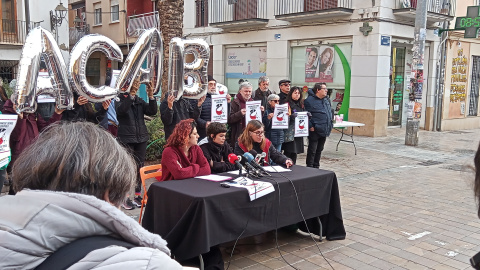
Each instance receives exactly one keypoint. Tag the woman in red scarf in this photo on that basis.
(182, 157)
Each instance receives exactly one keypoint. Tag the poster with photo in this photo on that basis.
(280, 117)
(219, 108)
(253, 111)
(318, 63)
(301, 124)
(7, 123)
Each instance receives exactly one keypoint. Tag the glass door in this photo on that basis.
(395, 93)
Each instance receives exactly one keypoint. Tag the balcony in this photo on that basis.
(437, 10)
(141, 22)
(243, 13)
(14, 32)
(76, 33)
(311, 10)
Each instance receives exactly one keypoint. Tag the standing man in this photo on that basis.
(284, 86)
(172, 112)
(318, 104)
(263, 92)
(206, 111)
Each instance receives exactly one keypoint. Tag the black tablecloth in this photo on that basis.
(194, 214)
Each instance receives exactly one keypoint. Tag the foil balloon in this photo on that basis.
(149, 47)
(78, 62)
(196, 70)
(41, 44)
(221, 89)
(175, 68)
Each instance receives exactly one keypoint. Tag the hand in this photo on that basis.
(312, 129)
(201, 100)
(270, 115)
(208, 123)
(229, 98)
(82, 100)
(262, 108)
(211, 163)
(170, 101)
(134, 88)
(150, 88)
(20, 115)
(106, 104)
(58, 111)
(289, 163)
(244, 111)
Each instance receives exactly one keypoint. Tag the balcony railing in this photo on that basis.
(283, 7)
(437, 10)
(13, 31)
(243, 12)
(76, 33)
(139, 23)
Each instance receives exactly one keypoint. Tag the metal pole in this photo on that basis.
(413, 122)
(27, 15)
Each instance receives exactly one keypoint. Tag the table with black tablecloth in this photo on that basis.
(193, 215)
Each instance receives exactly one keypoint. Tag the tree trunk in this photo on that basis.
(171, 25)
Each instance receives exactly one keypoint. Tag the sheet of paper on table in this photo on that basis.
(256, 189)
(276, 169)
(214, 177)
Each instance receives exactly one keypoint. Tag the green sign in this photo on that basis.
(470, 23)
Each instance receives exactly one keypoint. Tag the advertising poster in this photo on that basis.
(7, 123)
(301, 124)
(253, 111)
(219, 108)
(318, 63)
(280, 117)
(458, 81)
(248, 63)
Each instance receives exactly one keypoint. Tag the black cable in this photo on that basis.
(303, 217)
(231, 254)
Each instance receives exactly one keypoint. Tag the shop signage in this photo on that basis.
(385, 40)
(469, 23)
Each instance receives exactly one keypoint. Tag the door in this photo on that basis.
(395, 93)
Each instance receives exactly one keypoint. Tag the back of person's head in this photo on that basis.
(215, 128)
(77, 157)
(181, 133)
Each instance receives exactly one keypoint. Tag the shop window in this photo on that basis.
(114, 11)
(202, 13)
(97, 10)
(473, 100)
(93, 71)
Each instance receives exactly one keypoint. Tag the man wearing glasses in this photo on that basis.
(284, 89)
(318, 104)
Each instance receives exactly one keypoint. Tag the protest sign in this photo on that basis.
(219, 108)
(301, 124)
(7, 123)
(280, 117)
(253, 111)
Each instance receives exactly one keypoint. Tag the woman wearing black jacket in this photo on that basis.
(132, 131)
(293, 145)
(216, 150)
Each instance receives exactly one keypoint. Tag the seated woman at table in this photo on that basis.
(216, 150)
(253, 137)
(182, 158)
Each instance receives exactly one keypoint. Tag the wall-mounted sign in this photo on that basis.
(385, 40)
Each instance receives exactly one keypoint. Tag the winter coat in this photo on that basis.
(177, 166)
(276, 136)
(236, 119)
(218, 154)
(262, 96)
(26, 129)
(290, 132)
(269, 150)
(283, 98)
(181, 110)
(130, 116)
(321, 111)
(205, 115)
(50, 220)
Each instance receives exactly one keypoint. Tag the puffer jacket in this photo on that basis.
(205, 115)
(131, 127)
(276, 136)
(181, 110)
(321, 111)
(50, 220)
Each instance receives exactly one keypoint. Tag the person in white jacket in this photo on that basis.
(71, 182)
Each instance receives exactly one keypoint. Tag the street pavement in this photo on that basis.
(403, 207)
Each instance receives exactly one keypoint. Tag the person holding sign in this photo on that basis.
(292, 145)
(216, 150)
(238, 111)
(253, 137)
(274, 135)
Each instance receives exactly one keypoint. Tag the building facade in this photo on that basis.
(361, 49)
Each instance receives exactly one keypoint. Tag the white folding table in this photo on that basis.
(340, 126)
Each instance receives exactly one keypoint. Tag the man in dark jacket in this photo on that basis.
(262, 91)
(206, 112)
(172, 112)
(318, 104)
(284, 86)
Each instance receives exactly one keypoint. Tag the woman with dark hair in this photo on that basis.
(253, 137)
(216, 150)
(182, 157)
(293, 145)
(71, 182)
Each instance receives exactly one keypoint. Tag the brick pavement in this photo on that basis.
(403, 208)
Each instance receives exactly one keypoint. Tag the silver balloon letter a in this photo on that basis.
(40, 43)
(78, 62)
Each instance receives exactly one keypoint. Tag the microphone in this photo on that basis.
(249, 166)
(234, 159)
(252, 163)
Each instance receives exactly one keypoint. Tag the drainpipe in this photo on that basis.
(437, 125)
(27, 15)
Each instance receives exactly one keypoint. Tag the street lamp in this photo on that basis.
(57, 17)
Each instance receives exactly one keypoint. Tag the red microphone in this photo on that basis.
(234, 159)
